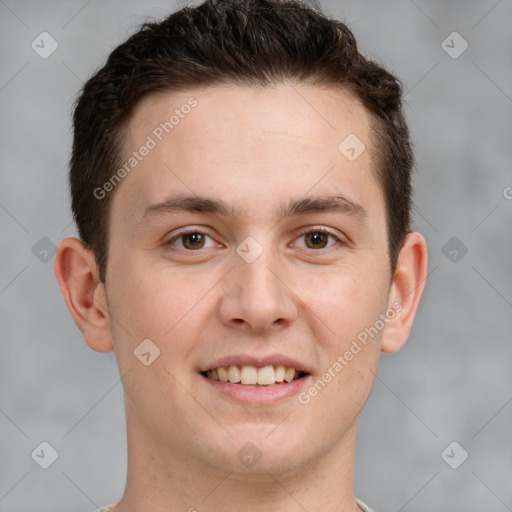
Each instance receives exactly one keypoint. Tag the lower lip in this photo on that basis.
(258, 395)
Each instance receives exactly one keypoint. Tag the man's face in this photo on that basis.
(256, 285)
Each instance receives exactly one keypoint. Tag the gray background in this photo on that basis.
(451, 382)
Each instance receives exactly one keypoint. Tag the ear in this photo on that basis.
(77, 274)
(405, 293)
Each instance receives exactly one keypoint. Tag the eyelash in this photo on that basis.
(307, 232)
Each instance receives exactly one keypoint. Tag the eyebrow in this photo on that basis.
(294, 208)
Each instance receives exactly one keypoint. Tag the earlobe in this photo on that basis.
(406, 290)
(77, 274)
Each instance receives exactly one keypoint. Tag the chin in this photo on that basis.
(256, 450)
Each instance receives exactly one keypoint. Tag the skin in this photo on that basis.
(256, 149)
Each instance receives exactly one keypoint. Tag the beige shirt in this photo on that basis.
(362, 506)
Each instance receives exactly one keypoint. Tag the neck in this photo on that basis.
(159, 479)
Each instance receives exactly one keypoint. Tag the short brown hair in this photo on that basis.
(246, 42)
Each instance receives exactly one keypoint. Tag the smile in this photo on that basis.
(254, 376)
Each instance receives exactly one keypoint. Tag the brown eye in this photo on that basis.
(191, 241)
(316, 240)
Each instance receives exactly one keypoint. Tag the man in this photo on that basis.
(241, 182)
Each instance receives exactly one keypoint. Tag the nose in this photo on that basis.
(256, 296)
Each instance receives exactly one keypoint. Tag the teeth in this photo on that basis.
(234, 374)
(280, 373)
(250, 375)
(266, 376)
(289, 374)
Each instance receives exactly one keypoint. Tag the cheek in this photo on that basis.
(351, 306)
(345, 302)
(146, 304)
(345, 309)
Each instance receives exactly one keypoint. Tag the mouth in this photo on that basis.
(254, 376)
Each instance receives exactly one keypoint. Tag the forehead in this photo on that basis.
(246, 145)
(315, 116)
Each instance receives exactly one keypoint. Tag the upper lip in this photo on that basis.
(259, 361)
